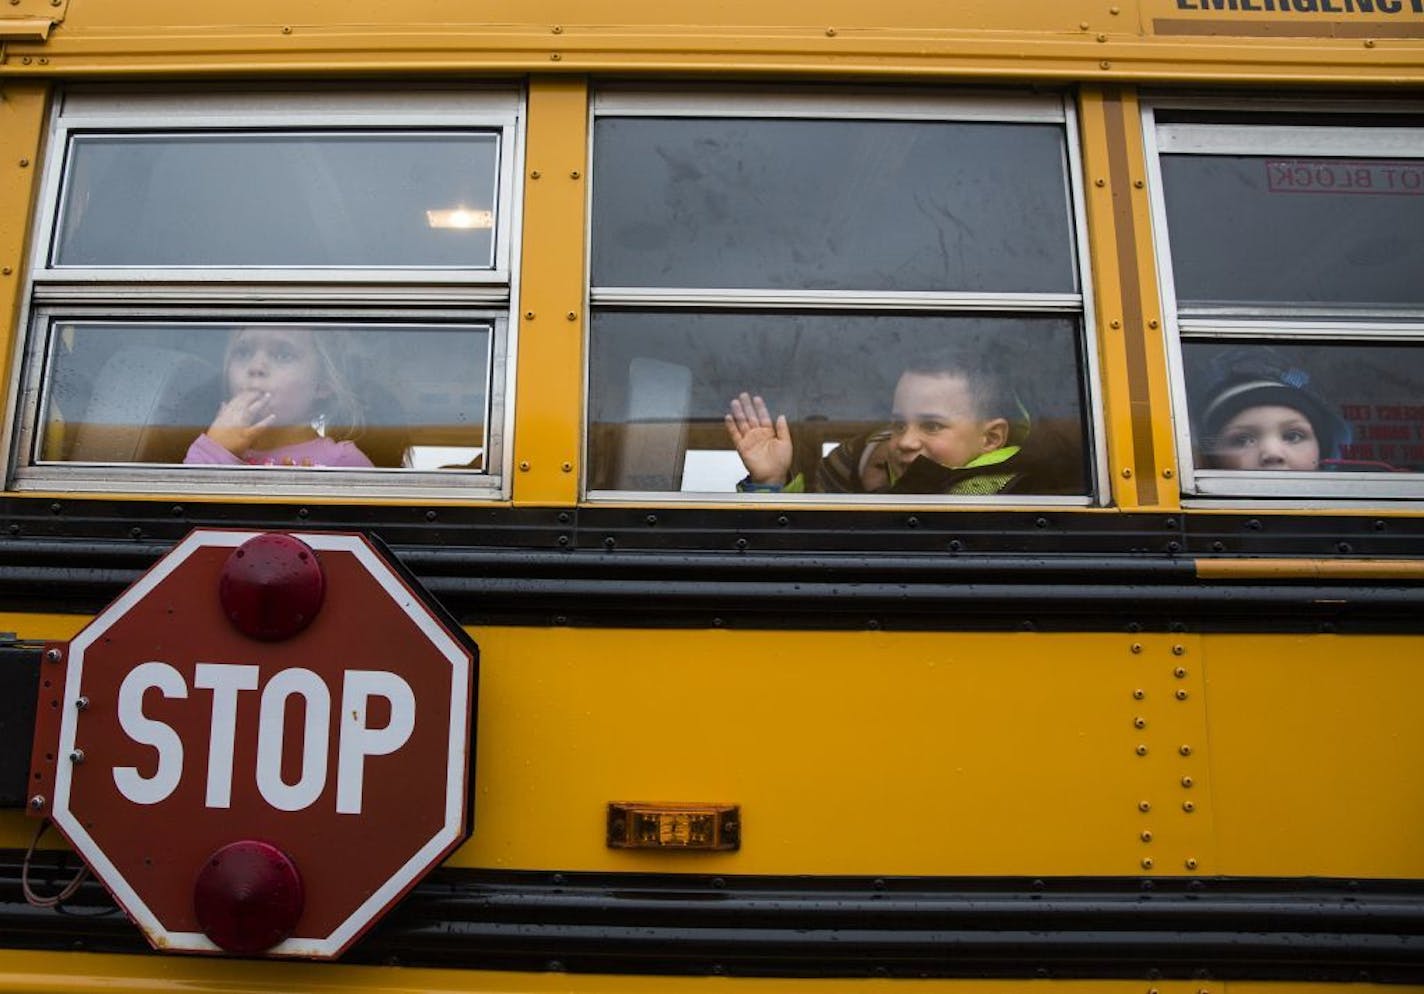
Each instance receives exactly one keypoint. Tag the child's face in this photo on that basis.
(281, 363)
(934, 417)
(1267, 437)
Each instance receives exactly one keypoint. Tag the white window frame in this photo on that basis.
(839, 104)
(1283, 323)
(321, 296)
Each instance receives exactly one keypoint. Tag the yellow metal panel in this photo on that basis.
(853, 753)
(1317, 754)
(81, 972)
(1058, 39)
(1106, 253)
(1309, 569)
(549, 388)
(1140, 449)
(22, 117)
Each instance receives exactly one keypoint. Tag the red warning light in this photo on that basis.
(248, 897)
(271, 587)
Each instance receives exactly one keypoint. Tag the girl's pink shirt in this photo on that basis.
(317, 452)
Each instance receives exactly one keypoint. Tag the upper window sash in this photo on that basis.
(436, 146)
(869, 199)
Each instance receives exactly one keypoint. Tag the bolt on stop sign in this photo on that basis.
(262, 744)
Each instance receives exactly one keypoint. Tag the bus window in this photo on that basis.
(240, 243)
(824, 257)
(1292, 251)
(337, 396)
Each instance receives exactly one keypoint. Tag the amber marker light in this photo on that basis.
(460, 219)
(674, 827)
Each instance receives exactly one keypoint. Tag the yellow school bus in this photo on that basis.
(935, 487)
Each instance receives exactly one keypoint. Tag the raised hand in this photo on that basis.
(241, 420)
(764, 445)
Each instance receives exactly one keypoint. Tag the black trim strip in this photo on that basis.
(1225, 928)
(1061, 569)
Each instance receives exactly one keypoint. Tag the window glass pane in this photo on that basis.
(1356, 406)
(831, 205)
(292, 394)
(400, 200)
(1275, 229)
(661, 383)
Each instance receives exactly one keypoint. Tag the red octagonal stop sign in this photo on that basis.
(282, 740)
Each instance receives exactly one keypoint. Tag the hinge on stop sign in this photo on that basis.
(49, 712)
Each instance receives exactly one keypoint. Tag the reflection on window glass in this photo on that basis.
(1356, 407)
(400, 200)
(266, 394)
(1282, 229)
(966, 405)
(831, 205)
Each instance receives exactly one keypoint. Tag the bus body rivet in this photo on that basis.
(1167, 474)
(1126, 473)
(1144, 806)
(574, 174)
(1178, 650)
(1187, 782)
(1139, 722)
(524, 466)
(1191, 863)
(567, 467)
(1102, 37)
(38, 802)
(1138, 694)
(1142, 750)
(286, 28)
(1138, 184)
(1082, 25)
(1114, 11)
(1100, 182)
(7, 270)
(529, 315)
(77, 756)
(554, 56)
(1105, 64)
(1137, 647)
(558, 29)
(1369, 43)
(1181, 695)
(1153, 323)
(53, 655)
(830, 32)
(1115, 323)
(24, 163)
(1188, 807)
(1147, 862)
(1185, 750)
(81, 703)
(1180, 672)
(572, 315)
(1146, 836)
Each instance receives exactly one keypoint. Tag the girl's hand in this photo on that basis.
(765, 447)
(241, 420)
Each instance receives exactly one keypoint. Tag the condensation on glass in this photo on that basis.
(1284, 229)
(831, 205)
(1296, 245)
(387, 396)
(826, 266)
(275, 200)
